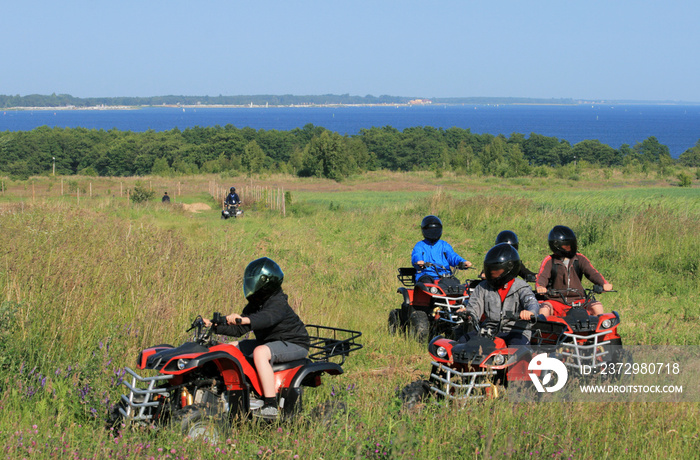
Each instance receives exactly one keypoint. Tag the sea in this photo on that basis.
(676, 126)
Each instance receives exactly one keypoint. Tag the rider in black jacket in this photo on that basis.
(271, 320)
(280, 336)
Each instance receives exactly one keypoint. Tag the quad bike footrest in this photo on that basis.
(141, 398)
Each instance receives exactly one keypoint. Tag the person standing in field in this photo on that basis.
(433, 257)
(564, 269)
(166, 198)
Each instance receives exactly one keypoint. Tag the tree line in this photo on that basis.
(66, 100)
(311, 151)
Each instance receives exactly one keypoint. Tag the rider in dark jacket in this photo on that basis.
(280, 336)
(232, 197)
(564, 270)
(272, 320)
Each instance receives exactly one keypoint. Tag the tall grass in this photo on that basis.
(84, 288)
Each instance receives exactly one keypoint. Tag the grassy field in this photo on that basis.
(85, 285)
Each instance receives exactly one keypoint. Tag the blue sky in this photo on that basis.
(642, 50)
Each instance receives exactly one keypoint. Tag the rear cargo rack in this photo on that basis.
(331, 342)
(407, 276)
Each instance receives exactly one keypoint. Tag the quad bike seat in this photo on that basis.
(290, 364)
(284, 366)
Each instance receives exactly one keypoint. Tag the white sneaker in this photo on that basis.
(256, 404)
(267, 412)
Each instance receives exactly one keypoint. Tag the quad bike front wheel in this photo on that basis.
(419, 326)
(196, 422)
(413, 394)
(394, 321)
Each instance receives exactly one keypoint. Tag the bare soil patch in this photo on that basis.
(196, 207)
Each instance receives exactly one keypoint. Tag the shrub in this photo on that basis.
(684, 180)
(141, 193)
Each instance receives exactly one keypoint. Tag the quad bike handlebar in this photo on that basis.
(509, 318)
(447, 272)
(588, 295)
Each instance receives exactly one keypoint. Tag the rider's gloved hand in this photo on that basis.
(464, 265)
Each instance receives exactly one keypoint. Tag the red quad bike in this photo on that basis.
(202, 386)
(478, 368)
(425, 303)
(587, 342)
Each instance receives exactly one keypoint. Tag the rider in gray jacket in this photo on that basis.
(500, 294)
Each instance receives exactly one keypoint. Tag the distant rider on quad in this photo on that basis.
(232, 198)
(499, 294)
(563, 270)
(432, 250)
(280, 336)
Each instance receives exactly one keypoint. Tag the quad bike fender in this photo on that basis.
(233, 370)
(515, 357)
(143, 356)
(407, 295)
(611, 320)
(441, 342)
(520, 372)
(308, 375)
(559, 319)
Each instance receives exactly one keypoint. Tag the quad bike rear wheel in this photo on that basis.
(329, 412)
(419, 326)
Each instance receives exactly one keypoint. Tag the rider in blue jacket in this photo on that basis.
(433, 250)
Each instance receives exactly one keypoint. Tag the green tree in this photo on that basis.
(691, 157)
(324, 157)
(594, 151)
(651, 150)
(253, 157)
(161, 168)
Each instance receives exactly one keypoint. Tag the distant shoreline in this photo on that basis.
(261, 106)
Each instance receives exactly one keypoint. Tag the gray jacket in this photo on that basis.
(486, 300)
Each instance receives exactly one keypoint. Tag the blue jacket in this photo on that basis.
(439, 253)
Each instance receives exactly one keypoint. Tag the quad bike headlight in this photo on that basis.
(606, 324)
(441, 352)
(499, 359)
(433, 290)
(181, 363)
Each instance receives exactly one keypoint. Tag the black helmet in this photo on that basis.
(431, 226)
(233, 189)
(507, 236)
(502, 256)
(262, 278)
(559, 236)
